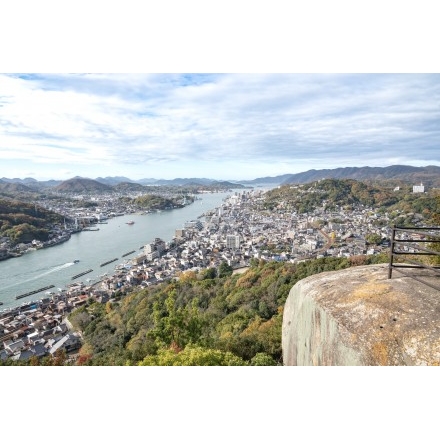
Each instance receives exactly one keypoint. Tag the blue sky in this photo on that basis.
(222, 126)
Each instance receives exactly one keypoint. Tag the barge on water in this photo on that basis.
(108, 262)
(34, 291)
(81, 274)
(128, 253)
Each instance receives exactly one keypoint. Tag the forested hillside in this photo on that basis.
(331, 194)
(408, 175)
(23, 222)
(201, 319)
(155, 202)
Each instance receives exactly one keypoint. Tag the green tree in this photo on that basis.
(175, 325)
(192, 355)
(208, 274)
(373, 238)
(224, 270)
(262, 359)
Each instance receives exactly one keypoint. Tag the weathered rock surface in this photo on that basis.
(358, 316)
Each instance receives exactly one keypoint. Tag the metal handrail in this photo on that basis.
(416, 250)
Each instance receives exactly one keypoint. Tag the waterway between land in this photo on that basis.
(55, 265)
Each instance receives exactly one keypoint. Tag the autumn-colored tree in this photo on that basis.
(357, 260)
(188, 276)
(55, 360)
(34, 361)
(108, 307)
(85, 354)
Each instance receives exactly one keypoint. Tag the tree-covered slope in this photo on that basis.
(198, 320)
(330, 194)
(156, 202)
(23, 222)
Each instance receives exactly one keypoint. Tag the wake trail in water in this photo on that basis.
(52, 270)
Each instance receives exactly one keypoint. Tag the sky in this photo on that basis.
(230, 126)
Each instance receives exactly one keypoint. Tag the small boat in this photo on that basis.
(131, 222)
(76, 261)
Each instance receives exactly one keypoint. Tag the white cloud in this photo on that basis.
(263, 120)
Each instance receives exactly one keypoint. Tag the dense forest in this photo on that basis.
(23, 222)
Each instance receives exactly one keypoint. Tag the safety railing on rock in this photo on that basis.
(409, 241)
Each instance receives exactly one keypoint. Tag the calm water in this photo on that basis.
(54, 265)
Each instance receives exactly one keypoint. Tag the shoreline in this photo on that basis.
(44, 245)
(118, 277)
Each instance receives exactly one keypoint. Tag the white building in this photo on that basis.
(419, 188)
(233, 200)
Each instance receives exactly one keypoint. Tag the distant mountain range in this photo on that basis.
(156, 182)
(429, 175)
(31, 183)
(9, 187)
(107, 184)
(80, 184)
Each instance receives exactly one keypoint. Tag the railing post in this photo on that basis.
(390, 266)
(406, 263)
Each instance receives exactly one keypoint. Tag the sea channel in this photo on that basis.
(55, 266)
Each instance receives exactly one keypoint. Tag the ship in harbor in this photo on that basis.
(131, 222)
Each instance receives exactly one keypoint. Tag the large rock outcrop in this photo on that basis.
(358, 316)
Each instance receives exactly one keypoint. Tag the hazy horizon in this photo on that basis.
(189, 178)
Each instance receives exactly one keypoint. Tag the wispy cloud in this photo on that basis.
(221, 126)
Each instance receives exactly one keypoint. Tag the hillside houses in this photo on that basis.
(34, 330)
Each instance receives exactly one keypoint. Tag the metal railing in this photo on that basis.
(403, 243)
